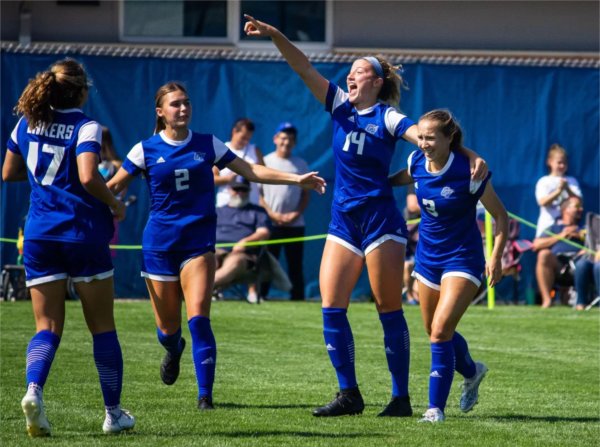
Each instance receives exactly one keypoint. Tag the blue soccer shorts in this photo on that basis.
(365, 228)
(47, 261)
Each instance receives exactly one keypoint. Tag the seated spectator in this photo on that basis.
(552, 189)
(549, 247)
(239, 222)
(587, 275)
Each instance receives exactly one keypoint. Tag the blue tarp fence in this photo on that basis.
(510, 115)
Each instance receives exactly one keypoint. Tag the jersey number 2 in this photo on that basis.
(58, 153)
(430, 207)
(357, 138)
(182, 176)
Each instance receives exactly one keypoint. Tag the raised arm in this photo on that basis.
(296, 59)
(491, 202)
(262, 174)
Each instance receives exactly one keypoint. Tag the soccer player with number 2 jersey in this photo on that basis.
(179, 239)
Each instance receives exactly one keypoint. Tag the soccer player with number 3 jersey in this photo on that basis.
(56, 147)
(366, 226)
(449, 262)
(179, 239)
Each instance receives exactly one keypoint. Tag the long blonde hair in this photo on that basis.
(169, 87)
(62, 86)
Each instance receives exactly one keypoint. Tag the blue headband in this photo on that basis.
(376, 65)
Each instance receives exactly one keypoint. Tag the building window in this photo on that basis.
(306, 22)
(175, 20)
(300, 21)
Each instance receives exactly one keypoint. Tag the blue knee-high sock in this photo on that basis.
(465, 365)
(204, 352)
(397, 350)
(340, 346)
(172, 343)
(40, 354)
(442, 373)
(109, 363)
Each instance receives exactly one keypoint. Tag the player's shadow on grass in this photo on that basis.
(532, 418)
(311, 407)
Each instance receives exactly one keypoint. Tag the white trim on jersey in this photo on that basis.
(428, 283)
(75, 109)
(13, 135)
(392, 119)
(409, 161)
(386, 237)
(444, 169)
(163, 278)
(90, 131)
(136, 155)
(175, 142)
(220, 149)
(45, 279)
(465, 275)
(343, 243)
(340, 98)
(88, 279)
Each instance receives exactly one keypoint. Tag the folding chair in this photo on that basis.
(592, 242)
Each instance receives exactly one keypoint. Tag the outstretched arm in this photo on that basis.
(491, 202)
(296, 59)
(262, 174)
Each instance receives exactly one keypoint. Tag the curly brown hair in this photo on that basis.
(62, 86)
(392, 82)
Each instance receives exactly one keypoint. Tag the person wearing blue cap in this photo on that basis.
(285, 205)
(366, 226)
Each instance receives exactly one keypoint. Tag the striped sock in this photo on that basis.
(40, 354)
(397, 350)
(109, 363)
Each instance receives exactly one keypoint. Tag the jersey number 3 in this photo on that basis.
(430, 207)
(357, 138)
(182, 176)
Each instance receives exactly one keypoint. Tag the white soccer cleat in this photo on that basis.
(114, 425)
(470, 392)
(37, 423)
(252, 298)
(433, 415)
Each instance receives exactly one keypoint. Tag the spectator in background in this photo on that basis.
(587, 275)
(411, 211)
(240, 145)
(285, 205)
(109, 160)
(108, 167)
(549, 248)
(239, 221)
(552, 189)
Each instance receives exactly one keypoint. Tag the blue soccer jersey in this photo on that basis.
(60, 208)
(448, 232)
(182, 189)
(363, 145)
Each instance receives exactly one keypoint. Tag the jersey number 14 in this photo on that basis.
(357, 138)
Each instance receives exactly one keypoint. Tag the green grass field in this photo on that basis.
(543, 387)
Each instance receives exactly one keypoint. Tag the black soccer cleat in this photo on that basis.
(346, 402)
(169, 367)
(398, 407)
(205, 404)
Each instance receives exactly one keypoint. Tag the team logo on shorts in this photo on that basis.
(372, 128)
(199, 156)
(447, 192)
